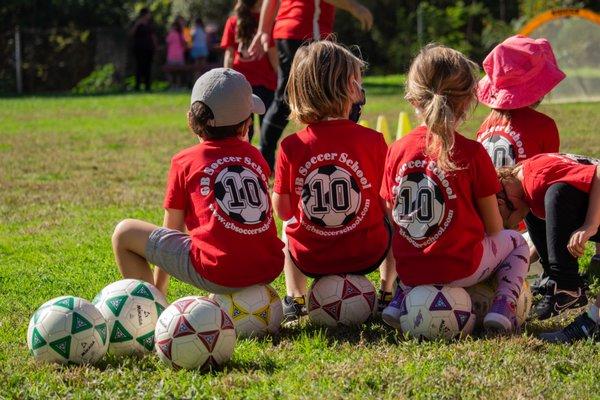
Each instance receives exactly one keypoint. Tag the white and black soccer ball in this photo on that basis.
(242, 195)
(194, 332)
(437, 312)
(330, 196)
(67, 329)
(482, 296)
(341, 300)
(419, 207)
(256, 310)
(501, 150)
(131, 308)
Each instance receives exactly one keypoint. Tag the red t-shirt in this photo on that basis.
(259, 72)
(544, 170)
(304, 19)
(527, 134)
(439, 230)
(332, 172)
(222, 186)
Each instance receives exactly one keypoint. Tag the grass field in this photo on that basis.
(72, 167)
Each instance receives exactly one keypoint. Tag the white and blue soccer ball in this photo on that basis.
(437, 312)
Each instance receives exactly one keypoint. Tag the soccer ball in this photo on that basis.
(242, 195)
(482, 296)
(194, 332)
(341, 300)
(256, 310)
(437, 312)
(500, 150)
(420, 206)
(131, 308)
(67, 329)
(330, 196)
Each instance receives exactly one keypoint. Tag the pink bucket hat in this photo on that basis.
(519, 72)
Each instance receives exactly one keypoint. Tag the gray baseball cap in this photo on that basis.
(229, 96)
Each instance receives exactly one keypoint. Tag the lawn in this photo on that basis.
(72, 167)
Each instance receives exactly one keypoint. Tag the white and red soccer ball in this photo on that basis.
(437, 312)
(194, 332)
(341, 300)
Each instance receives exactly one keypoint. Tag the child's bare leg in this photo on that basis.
(129, 245)
(295, 281)
(387, 272)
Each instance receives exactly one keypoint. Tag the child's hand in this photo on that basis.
(363, 15)
(579, 238)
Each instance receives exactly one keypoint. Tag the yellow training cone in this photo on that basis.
(364, 122)
(383, 127)
(403, 125)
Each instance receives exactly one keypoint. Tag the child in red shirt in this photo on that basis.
(520, 72)
(440, 189)
(563, 192)
(239, 30)
(218, 192)
(328, 176)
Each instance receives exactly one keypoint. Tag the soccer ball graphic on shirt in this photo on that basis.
(330, 196)
(67, 329)
(482, 296)
(241, 194)
(256, 310)
(500, 150)
(419, 207)
(437, 312)
(194, 332)
(341, 300)
(131, 308)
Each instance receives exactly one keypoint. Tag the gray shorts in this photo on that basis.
(170, 250)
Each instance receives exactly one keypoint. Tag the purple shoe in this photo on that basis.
(392, 313)
(501, 317)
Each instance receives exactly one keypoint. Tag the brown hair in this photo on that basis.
(246, 24)
(200, 117)
(441, 85)
(319, 84)
(508, 174)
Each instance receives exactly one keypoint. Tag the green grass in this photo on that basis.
(72, 167)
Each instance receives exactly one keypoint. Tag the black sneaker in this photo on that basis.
(556, 300)
(293, 309)
(581, 329)
(539, 285)
(383, 300)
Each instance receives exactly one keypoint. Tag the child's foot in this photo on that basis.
(581, 329)
(502, 316)
(539, 285)
(383, 300)
(556, 300)
(391, 314)
(293, 309)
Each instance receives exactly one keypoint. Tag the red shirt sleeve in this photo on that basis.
(281, 184)
(175, 196)
(552, 142)
(228, 39)
(388, 177)
(485, 181)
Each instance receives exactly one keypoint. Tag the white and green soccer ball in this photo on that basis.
(341, 300)
(194, 333)
(256, 310)
(437, 312)
(67, 329)
(131, 308)
(482, 296)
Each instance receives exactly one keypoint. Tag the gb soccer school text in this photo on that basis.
(205, 181)
(341, 158)
(429, 166)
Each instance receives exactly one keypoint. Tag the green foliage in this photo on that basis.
(101, 80)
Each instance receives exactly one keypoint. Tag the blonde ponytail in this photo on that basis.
(441, 85)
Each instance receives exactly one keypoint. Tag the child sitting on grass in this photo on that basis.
(563, 192)
(218, 191)
(440, 189)
(328, 176)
